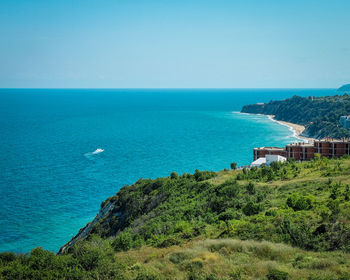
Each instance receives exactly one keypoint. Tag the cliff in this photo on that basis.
(319, 115)
(86, 231)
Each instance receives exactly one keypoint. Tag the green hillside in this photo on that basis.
(287, 221)
(320, 115)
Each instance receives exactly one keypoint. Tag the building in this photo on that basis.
(268, 159)
(344, 121)
(300, 151)
(306, 151)
(258, 162)
(263, 151)
(332, 148)
(272, 158)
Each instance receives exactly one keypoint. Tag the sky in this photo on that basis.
(174, 44)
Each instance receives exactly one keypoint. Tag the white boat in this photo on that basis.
(97, 151)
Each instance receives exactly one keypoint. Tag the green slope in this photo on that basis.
(287, 221)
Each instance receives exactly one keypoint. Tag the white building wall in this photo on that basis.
(272, 158)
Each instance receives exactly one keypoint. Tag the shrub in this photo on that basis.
(195, 265)
(228, 215)
(347, 193)
(6, 257)
(179, 257)
(251, 188)
(174, 175)
(335, 191)
(203, 175)
(169, 242)
(333, 205)
(147, 275)
(182, 226)
(298, 234)
(275, 274)
(122, 242)
(229, 189)
(298, 202)
(251, 208)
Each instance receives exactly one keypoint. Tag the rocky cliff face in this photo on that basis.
(85, 231)
(132, 204)
(141, 209)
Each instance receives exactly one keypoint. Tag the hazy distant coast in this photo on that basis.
(317, 116)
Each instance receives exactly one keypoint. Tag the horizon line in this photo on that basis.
(165, 88)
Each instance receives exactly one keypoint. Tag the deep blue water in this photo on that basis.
(50, 183)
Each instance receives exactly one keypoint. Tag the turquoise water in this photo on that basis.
(51, 184)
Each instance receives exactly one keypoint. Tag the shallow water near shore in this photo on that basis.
(65, 151)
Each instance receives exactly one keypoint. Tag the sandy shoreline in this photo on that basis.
(296, 128)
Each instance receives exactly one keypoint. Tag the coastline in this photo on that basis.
(297, 129)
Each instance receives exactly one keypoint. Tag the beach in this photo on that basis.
(296, 128)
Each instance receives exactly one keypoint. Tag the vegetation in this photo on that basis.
(320, 115)
(287, 221)
(234, 165)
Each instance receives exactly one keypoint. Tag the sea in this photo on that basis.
(64, 151)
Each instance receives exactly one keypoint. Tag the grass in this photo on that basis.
(235, 259)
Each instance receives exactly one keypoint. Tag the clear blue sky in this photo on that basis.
(177, 43)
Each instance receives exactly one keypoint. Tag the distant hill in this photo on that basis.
(344, 88)
(320, 115)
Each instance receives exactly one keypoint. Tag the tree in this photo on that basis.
(174, 175)
(233, 165)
